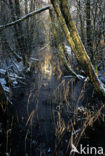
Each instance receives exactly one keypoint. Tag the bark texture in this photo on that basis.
(62, 50)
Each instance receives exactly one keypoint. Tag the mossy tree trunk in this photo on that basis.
(61, 47)
(68, 26)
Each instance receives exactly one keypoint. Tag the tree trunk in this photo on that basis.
(60, 46)
(88, 30)
(82, 31)
(15, 14)
(20, 39)
(74, 40)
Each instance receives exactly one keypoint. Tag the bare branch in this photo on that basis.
(24, 18)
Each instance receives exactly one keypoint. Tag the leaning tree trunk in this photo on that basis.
(61, 47)
(75, 42)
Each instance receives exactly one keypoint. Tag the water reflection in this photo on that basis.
(46, 68)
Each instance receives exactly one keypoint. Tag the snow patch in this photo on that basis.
(76, 132)
(2, 71)
(81, 76)
(3, 83)
(34, 59)
(68, 50)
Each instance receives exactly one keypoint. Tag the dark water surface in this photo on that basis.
(41, 110)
